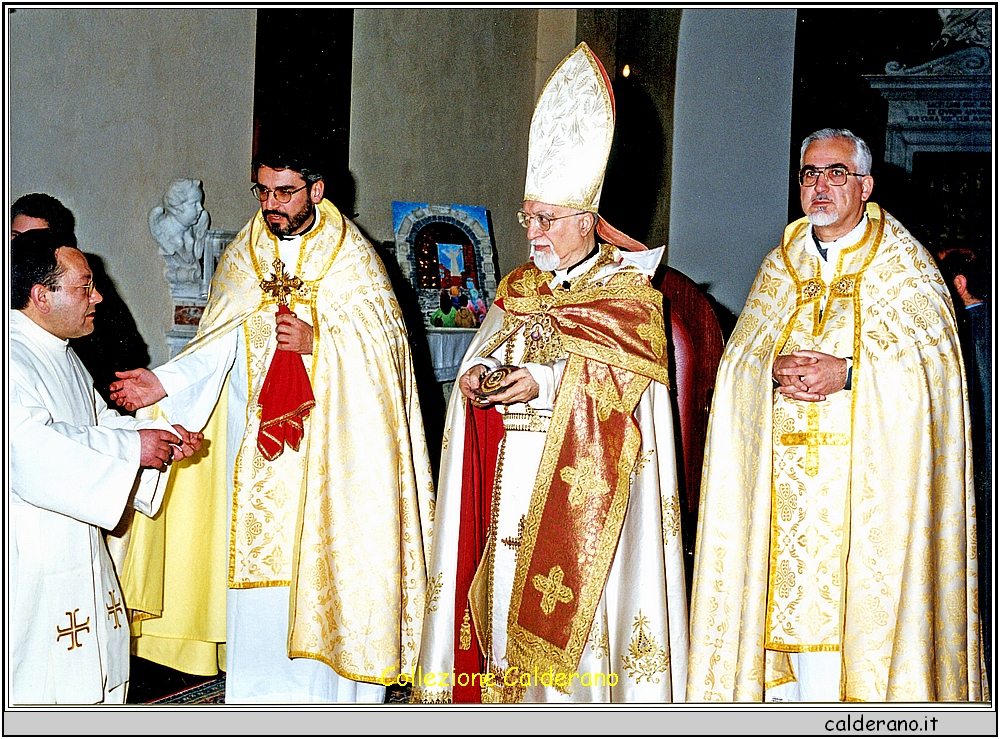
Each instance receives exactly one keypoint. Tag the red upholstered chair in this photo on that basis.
(695, 345)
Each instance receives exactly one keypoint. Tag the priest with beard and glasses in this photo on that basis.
(836, 546)
(557, 561)
(306, 578)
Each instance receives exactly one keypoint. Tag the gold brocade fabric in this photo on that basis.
(635, 640)
(614, 337)
(345, 521)
(877, 559)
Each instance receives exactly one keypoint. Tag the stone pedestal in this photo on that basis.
(190, 296)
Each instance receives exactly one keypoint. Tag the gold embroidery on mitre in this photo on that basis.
(812, 438)
(552, 589)
(653, 333)
(645, 656)
(583, 481)
(465, 633)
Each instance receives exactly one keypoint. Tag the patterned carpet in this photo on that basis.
(213, 692)
(209, 693)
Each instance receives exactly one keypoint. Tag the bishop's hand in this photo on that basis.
(136, 388)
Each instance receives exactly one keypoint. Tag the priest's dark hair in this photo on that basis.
(33, 262)
(289, 157)
(47, 208)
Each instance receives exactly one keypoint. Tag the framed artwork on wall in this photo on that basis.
(447, 254)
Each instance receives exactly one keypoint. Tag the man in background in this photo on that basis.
(115, 343)
(969, 282)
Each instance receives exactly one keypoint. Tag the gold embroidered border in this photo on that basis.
(421, 695)
(525, 422)
(375, 680)
(526, 650)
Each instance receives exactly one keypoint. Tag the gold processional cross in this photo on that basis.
(280, 284)
(812, 438)
(114, 609)
(73, 630)
(552, 589)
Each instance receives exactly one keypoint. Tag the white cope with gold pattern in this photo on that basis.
(639, 633)
(845, 526)
(326, 545)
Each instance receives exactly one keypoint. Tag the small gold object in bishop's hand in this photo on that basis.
(494, 381)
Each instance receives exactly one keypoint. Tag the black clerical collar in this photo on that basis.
(819, 247)
(312, 225)
(593, 253)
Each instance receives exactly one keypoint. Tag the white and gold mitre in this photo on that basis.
(571, 133)
(570, 140)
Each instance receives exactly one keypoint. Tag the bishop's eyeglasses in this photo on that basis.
(836, 174)
(544, 222)
(281, 194)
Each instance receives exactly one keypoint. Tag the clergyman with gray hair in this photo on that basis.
(836, 555)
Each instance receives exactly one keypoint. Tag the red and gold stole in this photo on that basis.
(615, 341)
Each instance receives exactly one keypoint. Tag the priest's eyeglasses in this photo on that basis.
(281, 194)
(88, 287)
(836, 174)
(544, 222)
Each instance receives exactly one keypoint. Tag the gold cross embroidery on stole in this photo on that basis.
(552, 589)
(73, 630)
(812, 438)
(114, 609)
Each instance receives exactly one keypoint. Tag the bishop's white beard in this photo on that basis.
(547, 261)
(823, 217)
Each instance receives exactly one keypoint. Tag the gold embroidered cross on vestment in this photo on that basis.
(280, 284)
(552, 589)
(812, 438)
(515, 541)
(114, 609)
(73, 630)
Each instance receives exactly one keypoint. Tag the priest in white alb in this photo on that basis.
(557, 573)
(75, 466)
